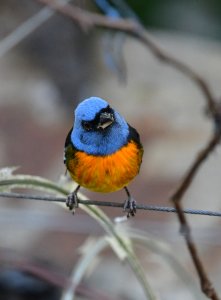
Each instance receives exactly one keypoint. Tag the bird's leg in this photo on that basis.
(72, 199)
(130, 204)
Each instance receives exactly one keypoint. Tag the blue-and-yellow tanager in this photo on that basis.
(103, 153)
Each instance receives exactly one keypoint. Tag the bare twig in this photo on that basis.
(185, 228)
(87, 20)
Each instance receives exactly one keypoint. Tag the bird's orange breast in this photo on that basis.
(106, 173)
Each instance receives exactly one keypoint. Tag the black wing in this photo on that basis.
(67, 144)
(134, 136)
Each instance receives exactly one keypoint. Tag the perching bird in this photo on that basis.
(103, 153)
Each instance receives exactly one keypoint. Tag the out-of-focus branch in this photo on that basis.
(87, 20)
(25, 29)
(52, 277)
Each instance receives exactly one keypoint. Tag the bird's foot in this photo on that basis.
(72, 201)
(130, 206)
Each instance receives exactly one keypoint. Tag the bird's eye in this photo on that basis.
(86, 125)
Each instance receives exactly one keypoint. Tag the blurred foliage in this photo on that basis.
(119, 242)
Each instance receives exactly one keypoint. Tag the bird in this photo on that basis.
(102, 152)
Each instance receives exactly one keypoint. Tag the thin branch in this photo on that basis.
(206, 285)
(185, 228)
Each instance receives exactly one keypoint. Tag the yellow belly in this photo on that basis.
(106, 173)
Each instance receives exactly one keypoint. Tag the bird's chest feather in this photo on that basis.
(106, 173)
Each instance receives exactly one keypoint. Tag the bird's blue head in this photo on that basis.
(98, 129)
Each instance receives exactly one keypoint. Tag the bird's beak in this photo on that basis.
(106, 119)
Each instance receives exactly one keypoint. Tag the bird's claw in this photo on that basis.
(72, 201)
(130, 206)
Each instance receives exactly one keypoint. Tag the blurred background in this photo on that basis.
(43, 77)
